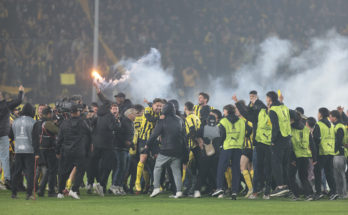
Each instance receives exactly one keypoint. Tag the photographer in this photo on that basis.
(44, 137)
(71, 150)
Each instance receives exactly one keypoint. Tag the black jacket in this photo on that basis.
(125, 106)
(125, 135)
(5, 109)
(105, 126)
(277, 137)
(44, 139)
(339, 138)
(73, 138)
(172, 132)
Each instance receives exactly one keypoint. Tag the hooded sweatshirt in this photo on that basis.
(172, 132)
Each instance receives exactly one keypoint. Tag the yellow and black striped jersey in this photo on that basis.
(148, 123)
(197, 110)
(137, 128)
(192, 121)
(248, 143)
(36, 117)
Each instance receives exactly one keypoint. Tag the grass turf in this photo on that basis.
(92, 204)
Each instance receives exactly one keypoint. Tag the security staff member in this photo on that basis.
(232, 131)
(303, 150)
(324, 138)
(281, 131)
(71, 150)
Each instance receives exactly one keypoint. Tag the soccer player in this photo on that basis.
(149, 120)
(203, 100)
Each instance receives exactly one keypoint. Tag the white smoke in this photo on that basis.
(311, 77)
(144, 78)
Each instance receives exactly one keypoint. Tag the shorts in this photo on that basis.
(151, 150)
(248, 153)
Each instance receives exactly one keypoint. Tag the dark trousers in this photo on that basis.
(66, 164)
(264, 172)
(50, 175)
(324, 162)
(101, 164)
(207, 171)
(122, 158)
(280, 162)
(132, 172)
(224, 160)
(301, 167)
(23, 163)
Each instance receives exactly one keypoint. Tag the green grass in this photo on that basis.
(92, 204)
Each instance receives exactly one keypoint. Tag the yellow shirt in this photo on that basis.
(192, 121)
(147, 125)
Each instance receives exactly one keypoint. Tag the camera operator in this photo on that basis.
(44, 136)
(71, 150)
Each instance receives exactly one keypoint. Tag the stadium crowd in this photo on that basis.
(255, 149)
(197, 38)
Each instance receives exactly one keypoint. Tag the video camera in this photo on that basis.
(63, 107)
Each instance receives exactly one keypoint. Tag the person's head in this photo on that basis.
(120, 98)
(237, 112)
(188, 108)
(75, 111)
(175, 103)
(335, 116)
(271, 97)
(217, 114)
(323, 113)
(47, 112)
(157, 105)
(253, 95)
(229, 110)
(131, 113)
(95, 107)
(114, 109)
(140, 109)
(310, 122)
(212, 120)
(203, 98)
(28, 110)
(40, 108)
(300, 110)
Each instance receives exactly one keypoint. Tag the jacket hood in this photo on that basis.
(175, 103)
(168, 109)
(232, 118)
(28, 110)
(104, 109)
(326, 122)
(259, 104)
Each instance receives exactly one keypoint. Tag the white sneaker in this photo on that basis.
(60, 196)
(178, 195)
(248, 194)
(73, 194)
(221, 196)
(121, 191)
(114, 189)
(197, 194)
(155, 192)
(98, 189)
(266, 197)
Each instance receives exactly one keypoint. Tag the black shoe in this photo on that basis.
(309, 198)
(278, 192)
(333, 197)
(8, 184)
(14, 196)
(234, 196)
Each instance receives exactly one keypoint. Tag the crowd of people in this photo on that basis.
(255, 150)
(201, 36)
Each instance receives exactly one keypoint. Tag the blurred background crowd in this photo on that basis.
(42, 41)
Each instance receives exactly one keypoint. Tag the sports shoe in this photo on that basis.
(197, 194)
(114, 189)
(60, 196)
(155, 192)
(234, 196)
(333, 197)
(309, 198)
(89, 189)
(121, 191)
(294, 198)
(2, 187)
(253, 196)
(248, 194)
(29, 197)
(98, 189)
(178, 195)
(73, 195)
(217, 192)
(318, 196)
(278, 192)
(138, 187)
(266, 197)
(14, 196)
(221, 196)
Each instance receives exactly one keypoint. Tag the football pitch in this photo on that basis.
(142, 204)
